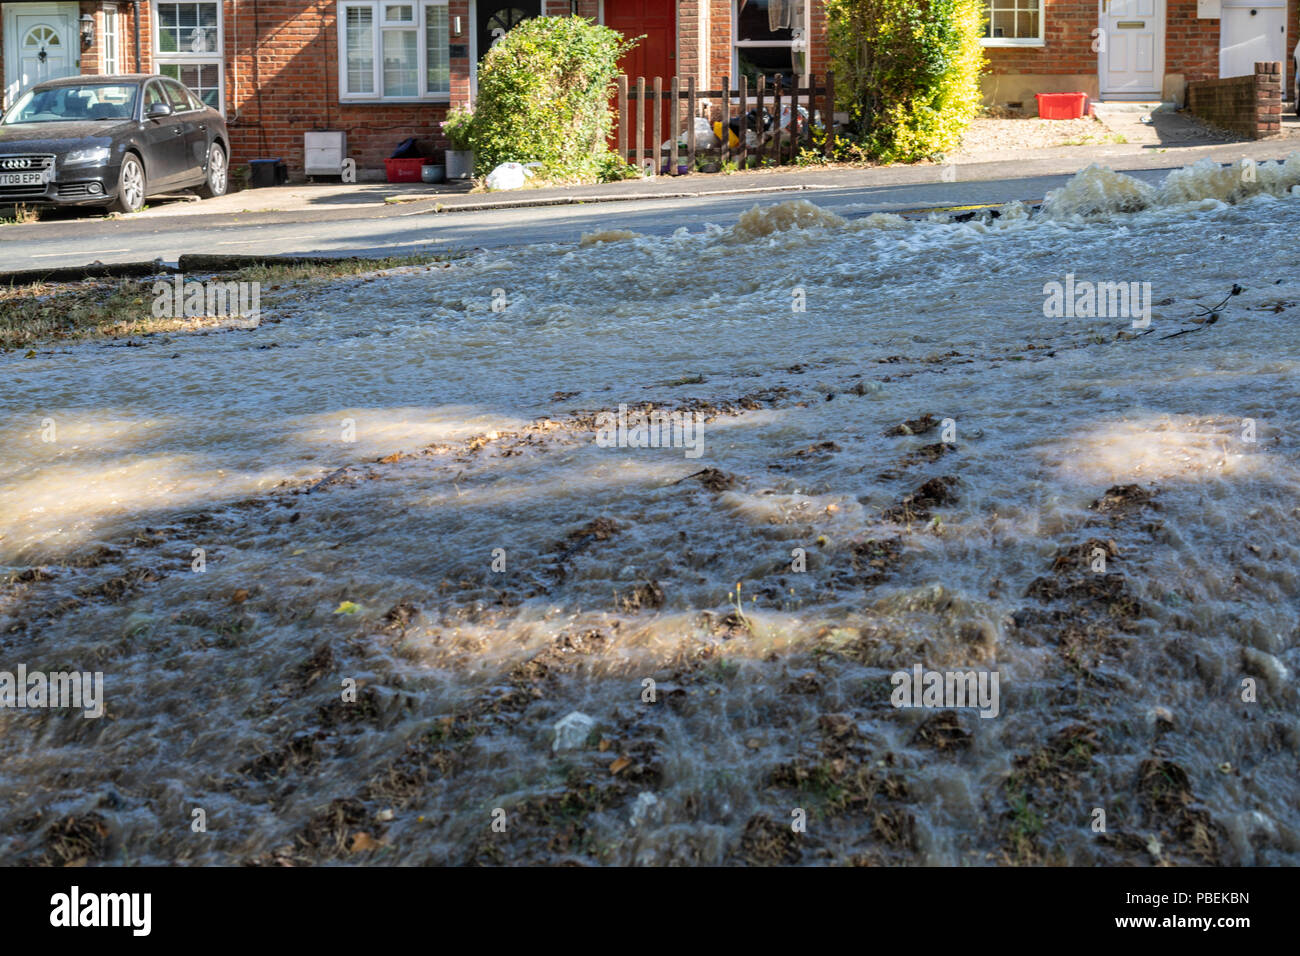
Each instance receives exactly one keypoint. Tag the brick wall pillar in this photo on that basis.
(1268, 99)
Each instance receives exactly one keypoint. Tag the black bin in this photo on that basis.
(267, 172)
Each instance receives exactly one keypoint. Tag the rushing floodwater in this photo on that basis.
(1120, 691)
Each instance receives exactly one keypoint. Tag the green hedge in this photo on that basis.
(544, 96)
(907, 72)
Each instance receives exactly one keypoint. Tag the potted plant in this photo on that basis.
(460, 154)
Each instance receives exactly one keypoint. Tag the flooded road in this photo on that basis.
(344, 573)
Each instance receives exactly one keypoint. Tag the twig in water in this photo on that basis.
(1210, 321)
(1208, 315)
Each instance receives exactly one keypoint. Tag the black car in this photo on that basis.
(110, 141)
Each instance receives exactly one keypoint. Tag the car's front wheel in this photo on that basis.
(218, 174)
(130, 187)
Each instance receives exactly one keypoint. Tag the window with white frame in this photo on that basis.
(112, 43)
(394, 51)
(1013, 22)
(188, 43)
(769, 38)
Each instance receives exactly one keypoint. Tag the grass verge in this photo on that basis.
(46, 313)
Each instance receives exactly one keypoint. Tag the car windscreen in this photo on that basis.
(61, 104)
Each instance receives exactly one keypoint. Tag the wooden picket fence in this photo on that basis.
(635, 98)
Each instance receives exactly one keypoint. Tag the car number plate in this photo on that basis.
(22, 179)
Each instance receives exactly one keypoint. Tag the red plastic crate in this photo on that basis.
(1062, 105)
(404, 170)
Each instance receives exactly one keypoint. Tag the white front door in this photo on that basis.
(41, 43)
(1131, 48)
(1250, 33)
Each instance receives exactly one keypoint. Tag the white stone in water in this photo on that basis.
(644, 801)
(572, 730)
(136, 622)
(1265, 665)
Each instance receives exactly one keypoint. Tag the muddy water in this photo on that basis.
(353, 468)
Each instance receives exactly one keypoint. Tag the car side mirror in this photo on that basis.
(158, 111)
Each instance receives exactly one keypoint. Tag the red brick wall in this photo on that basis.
(818, 55)
(281, 79)
(719, 41)
(1191, 44)
(1068, 43)
(1249, 105)
(688, 38)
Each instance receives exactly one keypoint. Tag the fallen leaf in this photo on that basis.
(347, 607)
(622, 763)
(240, 596)
(363, 841)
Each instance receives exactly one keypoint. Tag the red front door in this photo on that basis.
(654, 55)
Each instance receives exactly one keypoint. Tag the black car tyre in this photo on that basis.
(218, 174)
(130, 187)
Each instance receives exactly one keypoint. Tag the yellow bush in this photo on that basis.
(907, 73)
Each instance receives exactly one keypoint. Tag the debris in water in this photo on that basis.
(400, 615)
(1120, 500)
(648, 596)
(641, 807)
(622, 762)
(73, 841)
(572, 731)
(917, 505)
(711, 478)
(943, 731)
(817, 449)
(913, 426)
(1208, 316)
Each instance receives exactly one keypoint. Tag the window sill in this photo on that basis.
(404, 101)
(1005, 42)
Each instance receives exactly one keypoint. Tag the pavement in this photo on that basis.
(388, 219)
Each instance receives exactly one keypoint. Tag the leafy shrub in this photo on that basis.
(543, 96)
(907, 72)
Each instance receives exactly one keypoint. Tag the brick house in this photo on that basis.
(386, 70)
(1147, 49)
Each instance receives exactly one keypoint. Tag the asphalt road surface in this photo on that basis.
(418, 227)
